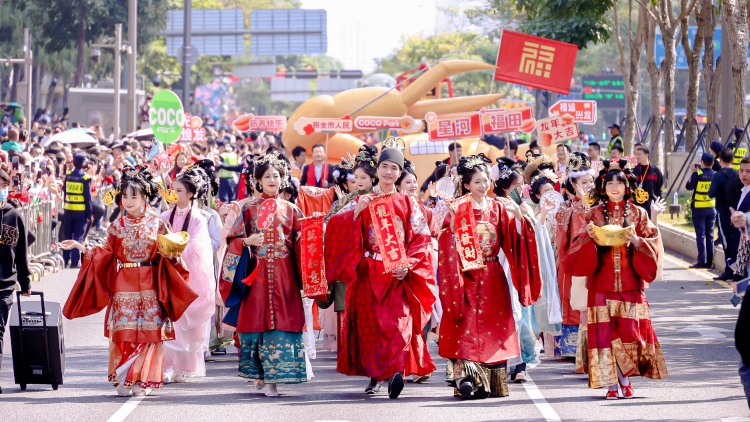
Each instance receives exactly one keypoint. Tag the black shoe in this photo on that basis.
(373, 387)
(724, 276)
(219, 351)
(698, 265)
(466, 388)
(395, 385)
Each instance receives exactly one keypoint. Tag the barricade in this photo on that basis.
(43, 256)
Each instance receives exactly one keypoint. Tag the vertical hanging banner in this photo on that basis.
(314, 284)
(465, 230)
(390, 243)
(536, 62)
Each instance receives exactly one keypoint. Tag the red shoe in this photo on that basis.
(627, 391)
(612, 395)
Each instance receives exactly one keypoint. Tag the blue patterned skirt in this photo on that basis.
(566, 342)
(274, 356)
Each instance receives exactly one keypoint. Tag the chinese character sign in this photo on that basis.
(556, 129)
(392, 249)
(499, 120)
(453, 126)
(249, 123)
(314, 284)
(536, 62)
(405, 124)
(465, 233)
(582, 111)
(310, 125)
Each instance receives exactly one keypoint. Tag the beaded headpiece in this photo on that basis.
(577, 160)
(394, 142)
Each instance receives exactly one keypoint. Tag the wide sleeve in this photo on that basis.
(583, 251)
(419, 251)
(646, 258)
(449, 272)
(90, 293)
(523, 255)
(343, 246)
(175, 294)
(198, 256)
(569, 222)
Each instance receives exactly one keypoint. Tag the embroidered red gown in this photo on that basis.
(142, 302)
(619, 325)
(570, 219)
(384, 318)
(477, 323)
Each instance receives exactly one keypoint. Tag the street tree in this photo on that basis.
(736, 25)
(706, 20)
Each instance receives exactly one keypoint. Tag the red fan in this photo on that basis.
(265, 213)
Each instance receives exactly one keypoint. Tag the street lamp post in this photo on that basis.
(117, 47)
(28, 63)
(132, 57)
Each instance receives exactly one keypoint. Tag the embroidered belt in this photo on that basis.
(373, 255)
(121, 265)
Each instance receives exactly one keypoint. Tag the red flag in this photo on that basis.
(536, 62)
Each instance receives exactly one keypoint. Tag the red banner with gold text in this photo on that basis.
(391, 247)
(465, 231)
(314, 284)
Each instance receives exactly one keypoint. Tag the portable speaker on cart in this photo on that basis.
(37, 342)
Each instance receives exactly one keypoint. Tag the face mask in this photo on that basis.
(3, 195)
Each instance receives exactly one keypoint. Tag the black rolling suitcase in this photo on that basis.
(37, 343)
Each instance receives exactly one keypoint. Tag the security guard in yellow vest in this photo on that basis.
(704, 211)
(77, 207)
(739, 154)
(227, 178)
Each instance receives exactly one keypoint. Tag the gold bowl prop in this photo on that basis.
(611, 235)
(172, 243)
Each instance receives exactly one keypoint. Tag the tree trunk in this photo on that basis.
(654, 74)
(707, 22)
(668, 71)
(735, 16)
(694, 59)
(630, 70)
(80, 63)
(51, 91)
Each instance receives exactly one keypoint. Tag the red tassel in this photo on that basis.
(250, 279)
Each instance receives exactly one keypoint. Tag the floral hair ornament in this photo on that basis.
(394, 142)
(577, 160)
(348, 163)
(501, 171)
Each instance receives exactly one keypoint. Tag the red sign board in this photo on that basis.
(499, 120)
(556, 129)
(310, 125)
(192, 129)
(535, 61)
(453, 126)
(582, 111)
(406, 124)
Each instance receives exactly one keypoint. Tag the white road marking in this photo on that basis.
(126, 409)
(548, 413)
(706, 331)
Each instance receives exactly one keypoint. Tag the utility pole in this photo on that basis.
(117, 47)
(28, 68)
(132, 58)
(187, 28)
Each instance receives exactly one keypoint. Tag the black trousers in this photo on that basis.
(6, 302)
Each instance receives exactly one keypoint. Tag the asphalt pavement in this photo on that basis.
(693, 320)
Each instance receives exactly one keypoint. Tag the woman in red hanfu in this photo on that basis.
(143, 291)
(621, 339)
(381, 248)
(477, 333)
(268, 310)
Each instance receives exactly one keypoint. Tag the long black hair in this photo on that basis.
(408, 169)
(536, 187)
(614, 171)
(505, 174)
(469, 166)
(139, 180)
(367, 161)
(195, 181)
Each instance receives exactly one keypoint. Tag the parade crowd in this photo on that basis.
(194, 247)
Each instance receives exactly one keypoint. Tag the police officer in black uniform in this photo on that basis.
(77, 206)
(704, 211)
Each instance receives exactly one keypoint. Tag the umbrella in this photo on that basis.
(142, 135)
(79, 137)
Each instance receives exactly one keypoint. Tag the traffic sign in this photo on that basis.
(166, 116)
(192, 56)
(582, 111)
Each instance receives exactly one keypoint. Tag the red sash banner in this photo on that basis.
(392, 249)
(465, 232)
(314, 284)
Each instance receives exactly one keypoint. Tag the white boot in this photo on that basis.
(271, 390)
(138, 391)
(123, 391)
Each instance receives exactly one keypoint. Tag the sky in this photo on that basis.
(362, 30)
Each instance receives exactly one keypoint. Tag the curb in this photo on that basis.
(683, 242)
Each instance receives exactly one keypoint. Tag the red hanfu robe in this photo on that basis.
(477, 323)
(381, 333)
(141, 301)
(620, 333)
(273, 301)
(570, 219)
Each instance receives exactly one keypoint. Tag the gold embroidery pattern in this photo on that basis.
(138, 236)
(137, 311)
